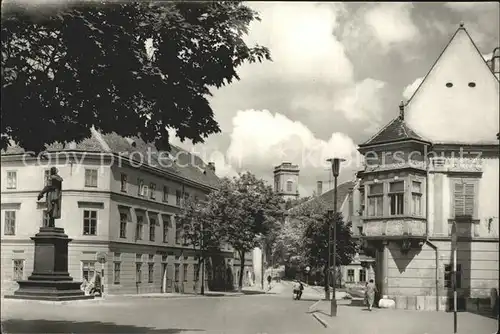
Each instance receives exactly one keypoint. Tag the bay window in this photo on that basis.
(375, 200)
(396, 197)
(416, 198)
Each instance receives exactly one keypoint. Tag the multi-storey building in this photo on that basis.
(431, 172)
(120, 200)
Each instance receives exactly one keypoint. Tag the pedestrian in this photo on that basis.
(269, 278)
(370, 292)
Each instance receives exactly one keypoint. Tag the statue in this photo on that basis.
(53, 189)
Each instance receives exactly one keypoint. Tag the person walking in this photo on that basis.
(269, 279)
(370, 292)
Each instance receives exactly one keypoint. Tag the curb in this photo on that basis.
(321, 321)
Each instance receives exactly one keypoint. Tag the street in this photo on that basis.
(252, 314)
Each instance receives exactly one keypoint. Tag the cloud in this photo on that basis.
(411, 88)
(475, 6)
(261, 140)
(381, 28)
(392, 23)
(302, 45)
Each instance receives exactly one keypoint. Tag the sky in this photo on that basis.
(338, 74)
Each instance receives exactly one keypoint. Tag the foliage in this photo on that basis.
(69, 67)
(313, 215)
(291, 203)
(248, 209)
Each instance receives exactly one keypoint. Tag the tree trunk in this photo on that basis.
(242, 270)
(200, 260)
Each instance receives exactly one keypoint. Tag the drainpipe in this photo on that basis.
(427, 241)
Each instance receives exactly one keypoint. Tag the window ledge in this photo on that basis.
(464, 220)
(393, 217)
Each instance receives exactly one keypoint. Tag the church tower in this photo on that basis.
(286, 180)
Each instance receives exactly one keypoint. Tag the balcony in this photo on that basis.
(394, 228)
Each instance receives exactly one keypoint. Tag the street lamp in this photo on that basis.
(335, 162)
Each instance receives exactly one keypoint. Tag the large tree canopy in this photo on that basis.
(80, 65)
(248, 211)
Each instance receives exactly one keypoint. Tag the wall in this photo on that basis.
(443, 114)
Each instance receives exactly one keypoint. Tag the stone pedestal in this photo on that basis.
(50, 279)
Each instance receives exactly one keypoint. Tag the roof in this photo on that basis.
(396, 130)
(460, 29)
(187, 166)
(343, 190)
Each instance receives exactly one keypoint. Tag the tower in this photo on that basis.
(286, 180)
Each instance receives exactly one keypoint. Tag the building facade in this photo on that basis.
(431, 173)
(120, 200)
(286, 180)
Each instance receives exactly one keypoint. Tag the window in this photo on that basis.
(88, 270)
(464, 197)
(152, 229)
(11, 180)
(350, 275)
(176, 272)
(10, 223)
(186, 197)
(89, 222)
(361, 201)
(166, 222)
(185, 272)
(138, 227)
(151, 270)
(448, 276)
(18, 270)
(178, 197)
(178, 233)
(165, 194)
(123, 181)
(289, 185)
(396, 197)
(91, 178)
(116, 272)
(46, 177)
(196, 272)
(362, 275)
(140, 187)
(152, 191)
(375, 200)
(123, 224)
(416, 198)
(138, 272)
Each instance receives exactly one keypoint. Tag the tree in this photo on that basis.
(313, 215)
(199, 231)
(248, 210)
(77, 65)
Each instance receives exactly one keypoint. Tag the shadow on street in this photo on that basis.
(49, 326)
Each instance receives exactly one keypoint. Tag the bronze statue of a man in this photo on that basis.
(53, 189)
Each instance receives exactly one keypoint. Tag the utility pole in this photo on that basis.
(202, 261)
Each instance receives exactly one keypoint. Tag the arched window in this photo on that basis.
(289, 185)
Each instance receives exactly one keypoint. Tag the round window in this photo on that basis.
(449, 84)
(472, 84)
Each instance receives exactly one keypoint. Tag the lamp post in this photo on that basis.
(335, 162)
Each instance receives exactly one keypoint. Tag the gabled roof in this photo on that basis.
(187, 166)
(343, 190)
(461, 29)
(396, 130)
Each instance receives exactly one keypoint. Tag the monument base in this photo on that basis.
(50, 279)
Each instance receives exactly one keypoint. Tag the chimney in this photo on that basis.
(211, 166)
(319, 188)
(402, 111)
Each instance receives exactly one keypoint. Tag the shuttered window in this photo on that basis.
(464, 198)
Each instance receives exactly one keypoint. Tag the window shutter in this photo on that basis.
(469, 199)
(459, 199)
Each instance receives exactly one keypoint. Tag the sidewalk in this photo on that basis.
(352, 320)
